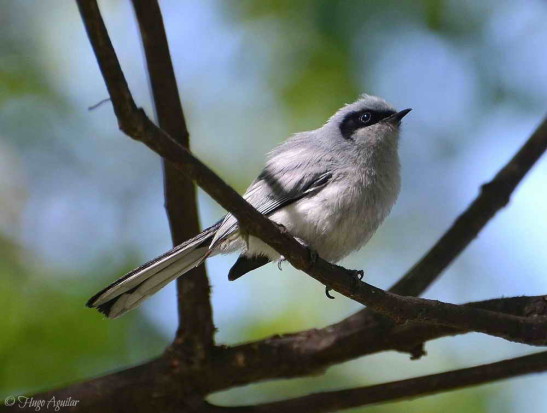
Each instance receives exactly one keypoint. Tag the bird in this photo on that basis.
(330, 188)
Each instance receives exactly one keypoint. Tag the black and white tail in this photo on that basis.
(129, 291)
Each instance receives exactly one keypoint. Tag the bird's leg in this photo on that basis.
(280, 261)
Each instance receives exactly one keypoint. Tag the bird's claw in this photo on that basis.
(327, 292)
(281, 261)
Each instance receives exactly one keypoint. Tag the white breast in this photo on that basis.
(339, 219)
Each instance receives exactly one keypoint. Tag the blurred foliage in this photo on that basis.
(48, 338)
(80, 204)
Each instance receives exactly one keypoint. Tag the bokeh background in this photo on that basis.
(80, 203)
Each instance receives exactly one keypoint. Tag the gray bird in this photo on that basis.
(330, 188)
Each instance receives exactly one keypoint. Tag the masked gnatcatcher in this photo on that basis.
(330, 188)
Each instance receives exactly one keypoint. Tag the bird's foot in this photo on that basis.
(280, 261)
(357, 276)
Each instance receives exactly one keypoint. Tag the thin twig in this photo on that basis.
(99, 103)
(196, 328)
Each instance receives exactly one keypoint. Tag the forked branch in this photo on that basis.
(196, 328)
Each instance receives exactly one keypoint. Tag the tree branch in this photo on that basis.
(288, 356)
(526, 330)
(136, 124)
(402, 389)
(313, 351)
(493, 196)
(196, 328)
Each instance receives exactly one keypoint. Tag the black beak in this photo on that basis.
(396, 117)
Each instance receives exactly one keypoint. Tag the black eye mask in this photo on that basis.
(361, 119)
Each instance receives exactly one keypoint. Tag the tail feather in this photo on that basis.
(130, 290)
(150, 285)
(153, 284)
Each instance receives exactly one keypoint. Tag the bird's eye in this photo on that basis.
(365, 118)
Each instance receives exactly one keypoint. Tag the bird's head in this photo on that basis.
(369, 120)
